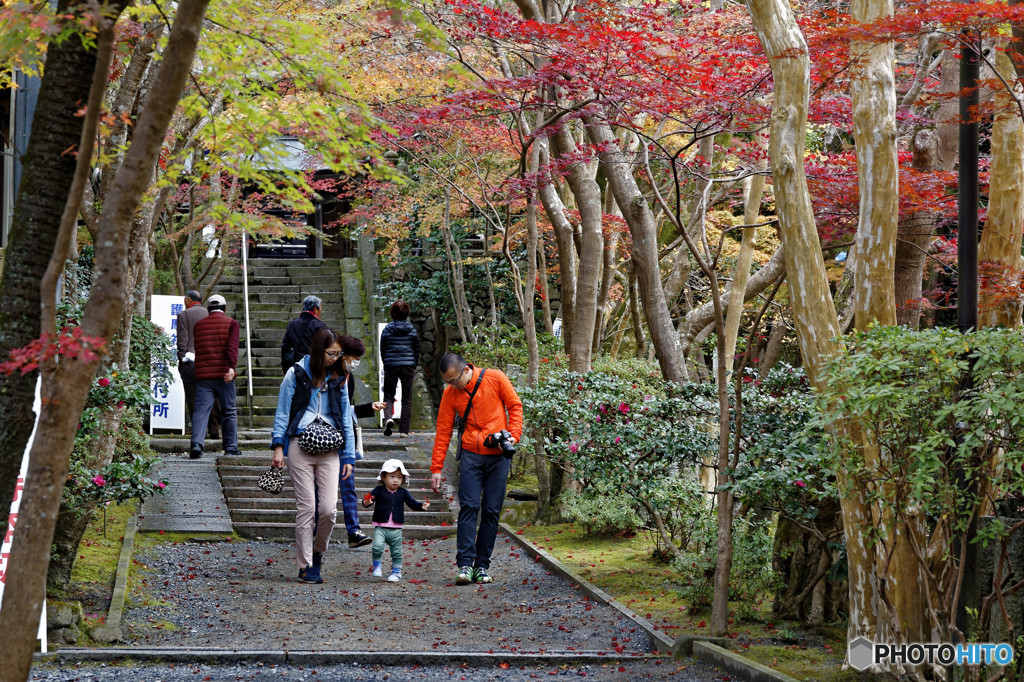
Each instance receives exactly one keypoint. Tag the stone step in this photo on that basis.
(286, 531)
(364, 479)
(297, 288)
(277, 263)
(370, 469)
(282, 508)
(300, 271)
(276, 278)
(365, 516)
(247, 493)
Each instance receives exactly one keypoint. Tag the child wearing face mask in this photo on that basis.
(390, 499)
(352, 352)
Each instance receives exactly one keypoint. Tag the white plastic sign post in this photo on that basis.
(168, 402)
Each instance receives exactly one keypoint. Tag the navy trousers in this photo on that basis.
(207, 391)
(481, 492)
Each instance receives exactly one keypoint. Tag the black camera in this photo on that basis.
(501, 439)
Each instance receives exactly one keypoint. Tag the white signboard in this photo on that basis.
(12, 518)
(168, 401)
(380, 374)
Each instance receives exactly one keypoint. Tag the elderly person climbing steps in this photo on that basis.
(313, 427)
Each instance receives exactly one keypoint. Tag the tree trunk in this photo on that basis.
(814, 315)
(873, 96)
(545, 290)
(637, 213)
(463, 313)
(999, 253)
(932, 150)
(42, 194)
(66, 385)
(588, 202)
(634, 314)
(751, 205)
(71, 526)
(699, 318)
(563, 229)
(799, 557)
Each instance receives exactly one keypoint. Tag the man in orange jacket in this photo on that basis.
(489, 430)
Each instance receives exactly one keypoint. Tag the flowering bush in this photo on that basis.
(617, 437)
(783, 466)
(117, 482)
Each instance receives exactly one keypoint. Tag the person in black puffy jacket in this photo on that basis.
(300, 332)
(400, 352)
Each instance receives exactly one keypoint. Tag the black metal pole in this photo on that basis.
(967, 209)
(967, 283)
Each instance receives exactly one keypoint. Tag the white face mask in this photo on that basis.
(352, 364)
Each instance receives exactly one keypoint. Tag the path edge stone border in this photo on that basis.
(737, 664)
(663, 643)
(327, 657)
(111, 630)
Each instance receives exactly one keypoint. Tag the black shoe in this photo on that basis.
(196, 452)
(359, 539)
(232, 453)
(389, 425)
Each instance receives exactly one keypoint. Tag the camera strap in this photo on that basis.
(465, 415)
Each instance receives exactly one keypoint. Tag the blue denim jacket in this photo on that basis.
(284, 431)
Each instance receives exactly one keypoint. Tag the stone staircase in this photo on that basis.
(255, 513)
(276, 289)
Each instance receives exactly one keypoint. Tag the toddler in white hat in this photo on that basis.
(389, 500)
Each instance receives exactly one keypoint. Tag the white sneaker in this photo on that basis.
(378, 572)
(394, 577)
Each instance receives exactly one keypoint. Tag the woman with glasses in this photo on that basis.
(312, 392)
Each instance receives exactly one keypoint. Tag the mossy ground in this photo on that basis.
(626, 569)
(92, 578)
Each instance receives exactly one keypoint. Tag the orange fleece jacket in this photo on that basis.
(493, 399)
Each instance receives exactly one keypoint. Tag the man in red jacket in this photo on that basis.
(489, 430)
(216, 343)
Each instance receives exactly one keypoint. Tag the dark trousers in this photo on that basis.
(209, 391)
(392, 375)
(350, 503)
(481, 491)
(187, 371)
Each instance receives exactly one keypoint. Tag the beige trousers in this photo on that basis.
(306, 470)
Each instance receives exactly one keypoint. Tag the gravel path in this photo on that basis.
(669, 670)
(245, 595)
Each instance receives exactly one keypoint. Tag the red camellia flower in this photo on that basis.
(624, 408)
(104, 382)
(799, 483)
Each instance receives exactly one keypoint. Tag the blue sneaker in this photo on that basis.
(310, 574)
(480, 575)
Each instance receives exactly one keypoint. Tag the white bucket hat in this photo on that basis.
(393, 465)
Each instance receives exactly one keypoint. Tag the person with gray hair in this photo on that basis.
(300, 332)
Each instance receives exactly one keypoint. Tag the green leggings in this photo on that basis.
(393, 538)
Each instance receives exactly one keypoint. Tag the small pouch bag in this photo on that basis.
(271, 481)
(319, 438)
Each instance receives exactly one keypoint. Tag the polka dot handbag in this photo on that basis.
(271, 481)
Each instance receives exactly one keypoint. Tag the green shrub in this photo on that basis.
(506, 345)
(751, 578)
(601, 514)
